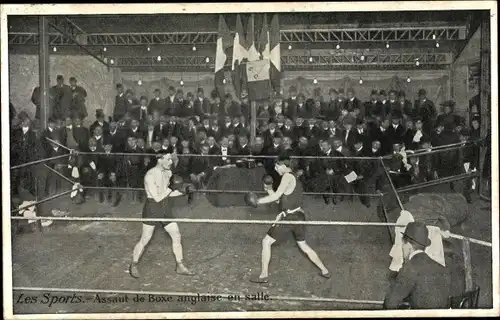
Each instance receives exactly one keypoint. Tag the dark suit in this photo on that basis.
(137, 134)
(215, 132)
(79, 94)
(291, 109)
(105, 127)
(63, 101)
(118, 140)
(157, 105)
(120, 107)
(202, 107)
(170, 106)
(351, 105)
(374, 108)
(349, 139)
(395, 134)
(331, 110)
(427, 111)
(422, 282)
(140, 114)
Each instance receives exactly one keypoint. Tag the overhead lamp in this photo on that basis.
(149, 48)
(337, 46)
(194, 48)
(362, 58)
(408, 79)
(207, 59)
(104, 49)
(360, 80)
(158, 58)
(433, 37)
(112, 61)
(139, 82)
(224, 81)
(311, 59)
(290, 47)
(437, 44)
(181, 82)
(417, 63)
(55, 49)
(387, 45)
(315, 81)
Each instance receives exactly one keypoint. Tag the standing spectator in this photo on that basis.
(109, 168)
(243, 147)
(120, 106)
(382, 135)
(215, 130)
(157, 103)
(352, 102)
(277, 108)
(98, 135)
(134, 130)
(373, 107)
(63, 99)
(149, 134)
(410, 132)
(170, 101)
(426, 110)
(448, 115)
(362, 134)
(141, 113)
(188, 109)
(245, 105)
(24, 148)
(332, 108)
(200, 168)
(349, 135)
(99, 122)
(131, 102)
(68, 135)
(116, 137)
(81, 134)
(301, 108)
(202, 104)
(79, 94)
(396, 131)
(292, 103)
(50, 132)
(132, 168)
(89, 165)
(215, 107)
(405, 106)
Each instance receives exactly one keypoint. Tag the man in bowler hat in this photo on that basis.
(421, 282)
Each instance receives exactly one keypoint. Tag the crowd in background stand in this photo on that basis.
(387, 124)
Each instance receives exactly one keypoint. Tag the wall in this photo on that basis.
(90, 74)
(436, 82)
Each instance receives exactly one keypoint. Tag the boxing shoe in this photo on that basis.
(134, 270)
(182, 270)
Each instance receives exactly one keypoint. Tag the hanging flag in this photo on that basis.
(239, 53)
(264, 41)
(253, 54)
(275, 56)
(259, 86)
(223, 43)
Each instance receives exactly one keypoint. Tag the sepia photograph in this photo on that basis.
(250, 160)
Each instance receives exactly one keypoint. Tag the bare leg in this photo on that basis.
(313, 256)
(267, 242)
(173, 230)
(147, 233)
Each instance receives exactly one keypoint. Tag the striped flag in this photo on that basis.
(275, 56)
(239, 53)
(223, 43)
(253, 54)
(264, 41)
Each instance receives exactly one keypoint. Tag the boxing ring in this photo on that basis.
(374, 303)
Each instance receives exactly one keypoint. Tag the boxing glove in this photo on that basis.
(251, 199)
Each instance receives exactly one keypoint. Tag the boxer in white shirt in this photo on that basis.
(159, 188)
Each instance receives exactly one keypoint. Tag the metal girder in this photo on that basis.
(297, 61)
(451, 33)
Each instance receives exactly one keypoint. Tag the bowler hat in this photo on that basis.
(374, 92)
(334, 91)
(417, 232)
(99, 113)
(200, 90)
(422, 92)
(382, 93)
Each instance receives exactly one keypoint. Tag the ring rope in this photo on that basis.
(39, 161)
(193, 294)
(41, 201)
(392, 184)
(431, 183)
(233, 221)
(61, 175)
(59, 144)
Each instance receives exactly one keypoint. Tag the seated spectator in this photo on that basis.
(258, 150)
(302, 110)
(237, 127)
(60, 165)
(215, 130)
(81, 134)
(132, 169)
(205, 125)
(409, 134)
(348, 134)
(157, 104)
(396, 131)
(312, 132)
(183, 166)
(264, 111)
(108, 171)
(189, 132)
(362, 133)
(149, 134)
(243, 147)
(352, 102)
(134, 130)
(426, 110)
(116, 137)
(224, 151)
(212, 146)
(174, 128)
(50, 132)
(165, 145)
(277, 108)
(200, 140)
(175, 146)
(228, 126)
(298, 128)
(324, 130)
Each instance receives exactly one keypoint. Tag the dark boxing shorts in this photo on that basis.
(157, 210)
(280, 232)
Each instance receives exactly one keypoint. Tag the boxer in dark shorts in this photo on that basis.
(159, 188)
(289, 194)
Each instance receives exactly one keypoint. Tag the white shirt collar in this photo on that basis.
(121, 94)
(328, 152)
(360, 149)
(164, 148)
(172, 98)
(144, 107)
(414, 253)
(339, 149)
(392, 101)
(374, 150)
(382, 129)
(93, 148)
(272, 130)
(293, 98)
(200, 98)
(384, 101)
(243, 146)
(157, 98)
(352, 99)
(69, 127)
(276, 145)
(134, 130)
(311, 126)
(113, 132)
(98, 137)
(395, 126)
(25, 129)
(360, 131)
(50, 129)
(56, 148)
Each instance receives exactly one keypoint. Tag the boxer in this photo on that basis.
(289, 194)
(160, 185)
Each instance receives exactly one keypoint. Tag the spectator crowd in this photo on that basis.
(194, 126)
